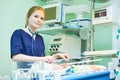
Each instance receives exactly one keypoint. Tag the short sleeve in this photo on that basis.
(15, 43)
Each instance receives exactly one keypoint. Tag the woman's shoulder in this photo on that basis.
(18, 31)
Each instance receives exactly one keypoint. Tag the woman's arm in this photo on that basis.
(26, 58)
(48, 59)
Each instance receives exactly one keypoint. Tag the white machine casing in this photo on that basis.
(102, 15)
(67, 44)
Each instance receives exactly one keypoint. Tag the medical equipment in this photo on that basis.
(78, 10)
(67, 44)
(83, 25)
(106, 53)
(102, 15)
(59, 72)
(57, 11)
(92, 26)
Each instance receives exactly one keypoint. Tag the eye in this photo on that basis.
(42, 18)
(36, 16)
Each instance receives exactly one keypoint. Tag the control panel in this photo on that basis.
(67, 44)
(102, 15)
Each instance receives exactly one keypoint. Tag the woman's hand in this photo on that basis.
(51, 59)
(62, 56)
(48, 59)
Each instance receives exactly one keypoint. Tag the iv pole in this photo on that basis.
(92, 26)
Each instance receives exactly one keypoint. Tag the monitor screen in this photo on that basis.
(54, 13)
(50, 13)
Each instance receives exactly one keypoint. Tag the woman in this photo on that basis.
(27, 46)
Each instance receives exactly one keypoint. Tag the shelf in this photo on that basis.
(100, 53)
(59, 30)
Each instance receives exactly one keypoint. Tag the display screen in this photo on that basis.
(50, 13)
(57, 39)
(100, 13)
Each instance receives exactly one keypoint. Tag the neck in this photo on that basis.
(31, 28)
(31, 31)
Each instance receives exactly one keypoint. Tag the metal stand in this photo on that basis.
(92, 26)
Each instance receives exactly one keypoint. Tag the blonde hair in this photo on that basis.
(31, 10)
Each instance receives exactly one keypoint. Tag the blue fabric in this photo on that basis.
(99, 75)
(21, 42)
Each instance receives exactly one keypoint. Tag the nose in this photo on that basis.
(38, 20)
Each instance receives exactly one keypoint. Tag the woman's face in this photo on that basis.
(36, 19)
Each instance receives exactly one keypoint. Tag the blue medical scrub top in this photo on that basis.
(21, 42)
